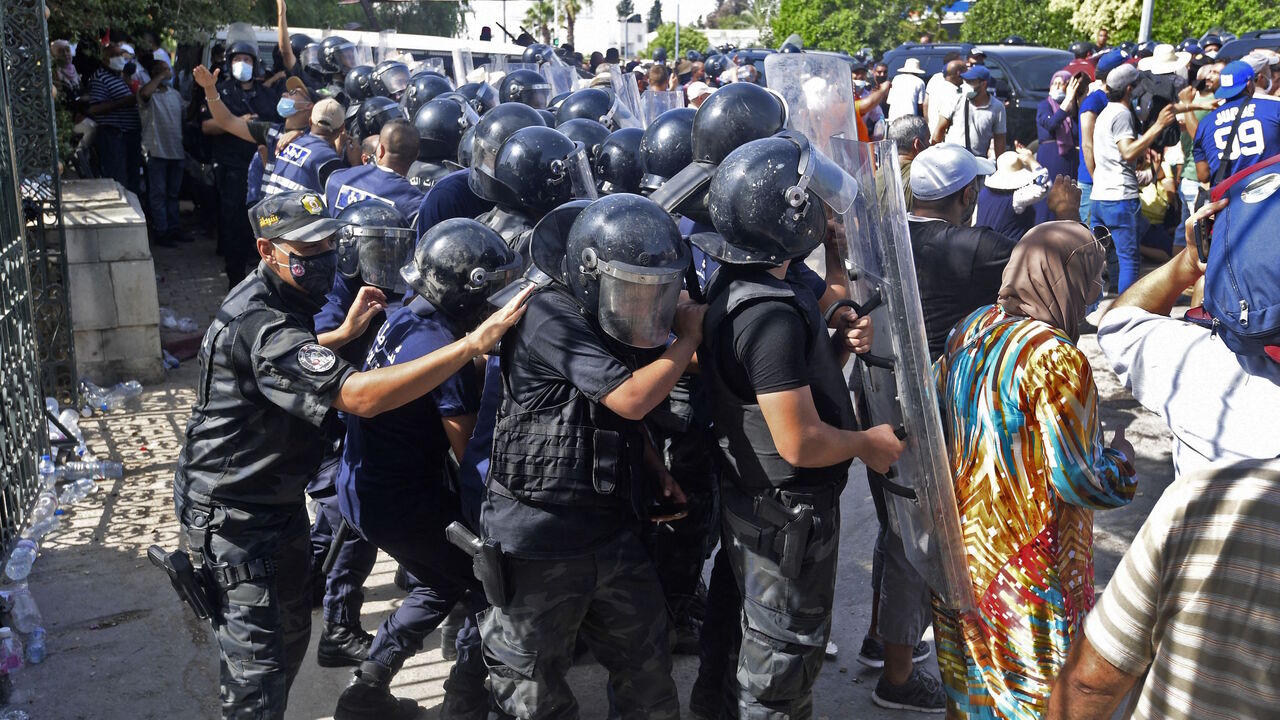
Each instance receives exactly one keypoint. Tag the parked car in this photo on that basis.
(1020, 76)
(1243, 45)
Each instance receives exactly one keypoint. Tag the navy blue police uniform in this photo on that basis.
(372, 182)
(303, 166)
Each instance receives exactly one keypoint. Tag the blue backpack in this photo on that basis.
(1242, 280)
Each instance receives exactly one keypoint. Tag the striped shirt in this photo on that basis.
(104, 86)
(1195, 604)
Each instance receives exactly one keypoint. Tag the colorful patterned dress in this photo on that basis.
(1020, 412)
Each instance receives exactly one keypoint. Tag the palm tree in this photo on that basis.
(540, 17)
(571, 8)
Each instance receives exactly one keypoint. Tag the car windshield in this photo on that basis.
(1035, 70)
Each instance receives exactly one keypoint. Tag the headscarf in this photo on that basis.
(1053, 275)
(1065, 134)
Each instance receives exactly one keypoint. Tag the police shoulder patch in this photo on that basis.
(316, 358)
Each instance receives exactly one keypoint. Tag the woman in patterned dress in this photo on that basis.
(1021, 413)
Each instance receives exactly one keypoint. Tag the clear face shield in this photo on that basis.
(539, 95)
(484, 155)
(575, 169)
(620, 116)
(821, 176)
(637, 304)
(395, 79)
(376, 254)
(311, 56)
(346, 55)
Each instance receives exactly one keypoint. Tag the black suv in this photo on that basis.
(1020, 75)
(1248, 42)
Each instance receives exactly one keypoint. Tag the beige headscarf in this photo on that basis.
(1054, 273)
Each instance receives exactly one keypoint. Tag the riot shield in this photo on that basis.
(364, 55)
(561, 78)
(386, 47)
(818, 91)
(462, 66)
(653, 103)
(626, 91)
(897, 380)
(434, 64)
(241, 33)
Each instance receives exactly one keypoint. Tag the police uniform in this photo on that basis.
(303, 166)
(265, 134)
(251, 443)
(231, 157)
(450, 197)
(423, 175)
(372, 182)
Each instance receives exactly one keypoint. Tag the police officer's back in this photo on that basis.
(384, 180)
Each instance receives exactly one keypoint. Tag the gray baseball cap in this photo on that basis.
(293, 217)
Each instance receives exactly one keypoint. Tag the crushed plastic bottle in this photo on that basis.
(93, 397)
(40, 528)
(36, 649)
(25, 614)
(77, 491)
(125, 396)
(170, 320)
(93, 469)
(72, 424)
(21, 559)
(10, 651)
(49, 473)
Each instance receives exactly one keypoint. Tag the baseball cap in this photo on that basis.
(328, 114)
(697, 89)
(1112, 60)
(977, 72)
(944, 169)
(1122, 77)
(292, 217)
(1257, 61)
(1233, 79)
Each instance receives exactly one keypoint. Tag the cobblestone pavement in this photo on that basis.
(120, 645)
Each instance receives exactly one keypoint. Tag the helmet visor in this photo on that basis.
(484, 155)
(537, 95)
(576, 169)
(345, 55)
(383, 251)
(395, 79)
(488, 282)
(819, 174)
(620, 116)
(348, 253)
(469, 116)
(637, 304)
(311, 56)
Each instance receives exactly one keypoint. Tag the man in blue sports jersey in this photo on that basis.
(384, 179)
(1253, 120)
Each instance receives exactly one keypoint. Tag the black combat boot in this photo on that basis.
(342, 646)
(369, 697)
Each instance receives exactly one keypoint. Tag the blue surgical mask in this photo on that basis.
(286, 108)
(242, 71)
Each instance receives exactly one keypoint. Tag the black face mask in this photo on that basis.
(314, 273)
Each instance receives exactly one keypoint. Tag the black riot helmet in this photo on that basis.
(538, 54)
(1129, 47)
(351, 121)
(457, 265)
(538, 169)
(617, 165)
(358, 86)
(299, 43)
(789, 47)
(337, 55)
(693, 56)
(441, 124)
(481, 96)
(424, 87)
(558, 100)
(766, 201)
(667, 147)
(493, 129)
(242, 47)
(376, 112)
(464, 147)
(592, 104)
(525, 86)
(715, 66)
(373, 243)
(548, 117)
(736, 114)
(390, 78)
(660, 55)
(625, 262)
(588, 132)
(1014, 40)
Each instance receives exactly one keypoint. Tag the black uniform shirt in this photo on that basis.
(553, 350)
(265, 387)
(258, 100)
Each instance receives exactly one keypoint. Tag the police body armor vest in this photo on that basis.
(423, 175)
(573, 454)
(297, 167)
(514, 227)
(752, 460)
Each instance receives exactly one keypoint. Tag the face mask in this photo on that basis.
(860, 84)
(313, 273)
(117, 63)
(1211, 54)
(286, 108)
(1058, 95)
(970, 91)
(241, 71)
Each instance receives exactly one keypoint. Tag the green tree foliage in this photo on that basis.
(834, 25)
(655, 15)
(666, 38)
(570, 10)
(625, 9)
(991, 21)
(1172, 20)
(539, 18)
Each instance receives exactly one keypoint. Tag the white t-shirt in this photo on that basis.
(942, 97)
(1113, 178)
(984, 123)
(1218, 406)
(906, 97)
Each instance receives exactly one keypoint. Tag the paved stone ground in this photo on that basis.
(120, 645)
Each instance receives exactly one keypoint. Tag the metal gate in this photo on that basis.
(23, 435)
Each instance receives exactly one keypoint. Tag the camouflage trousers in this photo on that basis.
(612, 598)
(785, 621)
(265, 621)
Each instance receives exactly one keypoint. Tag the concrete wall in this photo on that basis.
(112, 282)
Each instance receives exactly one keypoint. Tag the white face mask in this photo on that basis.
(969, 91)
(1058, 95)
(242, 71)
(117, 63)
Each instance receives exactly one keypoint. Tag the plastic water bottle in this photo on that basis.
(25, 614)
(10, 651)
(77, 491)
(40, 528)
(14, 714)
(92, 469)
(94, 397)
(125, 395)
(20, 560)
(49, 473)
(72, 424)
(35, 646)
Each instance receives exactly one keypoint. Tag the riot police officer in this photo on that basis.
(588, 132)
(782, 413)
(395, 486)
(335, 56)
(424, 86)
(507, 218)
(667, 147)
(525, 86)
(384, 180)
(440, 123)
(305, 164)
(242, 94)
(358, 85)
(267, 383)
(571, 472)
(617, 165)
(390, 78)
(595, 104)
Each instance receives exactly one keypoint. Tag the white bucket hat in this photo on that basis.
(912, 67)
(1164, 60)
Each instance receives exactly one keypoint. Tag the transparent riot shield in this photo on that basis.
(386, 49)
(462, 66)
(653, 103)
(241, 32)
(364, 55)
(626, 91)
(433, 64)
(561, 78)
(897, 379)
(514, 66)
